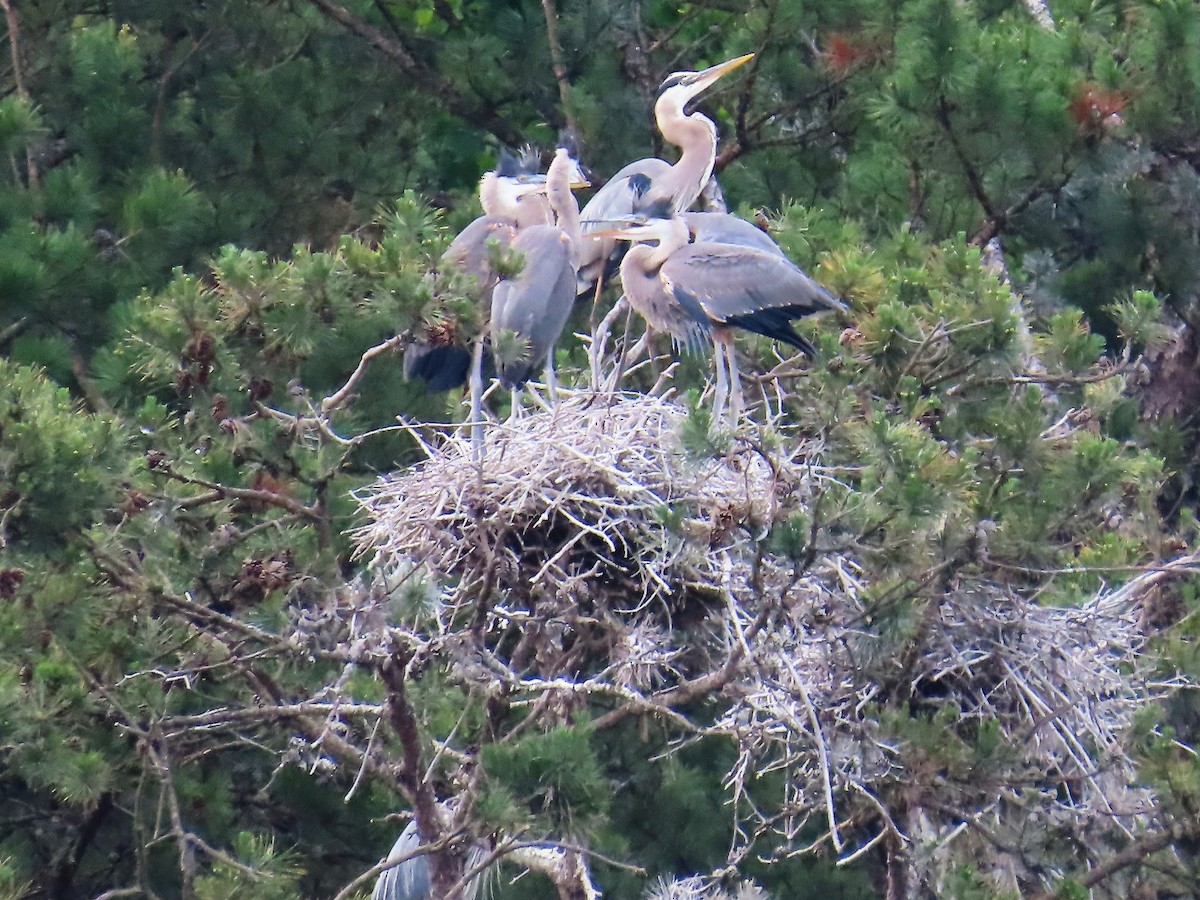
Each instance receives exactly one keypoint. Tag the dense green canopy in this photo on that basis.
(983, 525)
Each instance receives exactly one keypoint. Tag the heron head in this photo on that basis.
(509, 190)
(564, 168)
(680, 87)
(639, 229)
(577, 173)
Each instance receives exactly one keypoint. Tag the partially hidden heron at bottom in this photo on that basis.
(409, 879)
(699, 292)
(534, 305)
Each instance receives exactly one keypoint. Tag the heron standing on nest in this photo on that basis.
(699, 292)
(646, 181)
(513, 197)
(530, 310)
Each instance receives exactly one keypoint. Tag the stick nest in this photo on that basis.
(594, 504)
(589, 541)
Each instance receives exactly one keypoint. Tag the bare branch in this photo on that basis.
(14, 46)
(338, 397)
(560, 68)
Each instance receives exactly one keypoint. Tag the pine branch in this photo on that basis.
(1040, 10)
(336, 399)
(14, 331)
(160, 96)
(224, 492)
(1133, 855)
(14, 46)
(478, 113)
(996, 223)
(404, 723)
(974, 179)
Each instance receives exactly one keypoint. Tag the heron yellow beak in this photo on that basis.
(576, 184)
(712, 73)
(628, 233)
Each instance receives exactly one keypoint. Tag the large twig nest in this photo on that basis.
(595, 537)
(1059, 688)
(594, 502)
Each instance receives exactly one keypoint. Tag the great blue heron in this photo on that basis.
(534, 305)
(409, 879)
(513, 197)
(701, 291)
(641, 183)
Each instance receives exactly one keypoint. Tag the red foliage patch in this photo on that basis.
(1097, 110)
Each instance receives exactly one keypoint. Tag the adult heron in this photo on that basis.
(699, 292)
(535, 304)
(645, 181)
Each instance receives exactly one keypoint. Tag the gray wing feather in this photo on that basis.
(537, 302)
(410, 879)
(730, 281)
(470, 254)
(616, 200)
(722, 228)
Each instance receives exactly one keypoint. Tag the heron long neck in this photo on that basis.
(562, 201)
(696, 137)
(489, 195)
(639, 282)
(639, 273)
(674, 237)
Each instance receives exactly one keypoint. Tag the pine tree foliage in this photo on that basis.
(920, 629)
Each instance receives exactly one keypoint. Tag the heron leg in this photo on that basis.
(551, 381)
(596, 299)
(722, 391)
(735, 379)
(600, 341)
(627, 358)
(476, 386)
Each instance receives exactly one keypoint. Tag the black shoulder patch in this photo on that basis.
(639, 184)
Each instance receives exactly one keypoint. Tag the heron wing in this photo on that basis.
(746, 288)
(617, 200)
(409, 879)
(537, 302)
(620, 195)
(722, 228)
(469, 253)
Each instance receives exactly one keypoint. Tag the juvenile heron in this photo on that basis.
(535, 304)
(697, 292)
(645, 181)
(512, 197)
